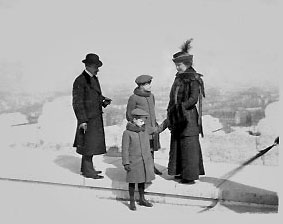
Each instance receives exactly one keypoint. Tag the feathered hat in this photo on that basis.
(183, 55)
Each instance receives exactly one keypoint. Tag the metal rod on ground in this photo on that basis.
(236, 170)
(217, 129)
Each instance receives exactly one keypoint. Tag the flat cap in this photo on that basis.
(142, 79)
(139, 113)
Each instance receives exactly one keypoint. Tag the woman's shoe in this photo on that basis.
(178, 177)
(184, 181)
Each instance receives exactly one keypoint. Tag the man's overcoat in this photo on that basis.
(87, 105)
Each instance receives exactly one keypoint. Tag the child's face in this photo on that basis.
(139, 121)
(147, 86)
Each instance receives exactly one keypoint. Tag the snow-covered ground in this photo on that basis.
(24, 202)
(56, 130)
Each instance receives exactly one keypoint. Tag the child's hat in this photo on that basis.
(139, 113)
(142, 79)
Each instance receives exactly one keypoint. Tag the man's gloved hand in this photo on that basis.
(127, 167)
(106, 102)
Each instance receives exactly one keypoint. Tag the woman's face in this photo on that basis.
(181, 67)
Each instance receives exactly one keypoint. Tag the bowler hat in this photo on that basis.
(139, 113)
(91, 59)
(142, 79)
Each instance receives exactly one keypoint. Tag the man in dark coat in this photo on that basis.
(87, 104)
(185, 156)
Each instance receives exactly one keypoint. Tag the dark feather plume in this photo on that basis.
(186, 46)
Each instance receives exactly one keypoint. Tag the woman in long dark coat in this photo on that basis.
(185, 156)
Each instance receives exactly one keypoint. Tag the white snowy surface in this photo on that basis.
(57, 124)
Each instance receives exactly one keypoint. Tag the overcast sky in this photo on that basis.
(42, 42)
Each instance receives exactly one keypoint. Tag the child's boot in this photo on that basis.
(143, 201)
(132, 205)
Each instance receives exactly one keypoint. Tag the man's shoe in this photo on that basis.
(157, 172)
(96, 177)
(92, 173)
(93, 176)
(184, 181)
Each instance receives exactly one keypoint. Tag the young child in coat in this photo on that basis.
(136, 156)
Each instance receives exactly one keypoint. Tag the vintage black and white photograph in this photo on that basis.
(140, 111)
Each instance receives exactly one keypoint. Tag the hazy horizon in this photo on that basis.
(43, 42)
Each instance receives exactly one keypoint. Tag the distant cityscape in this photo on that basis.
(243, 107)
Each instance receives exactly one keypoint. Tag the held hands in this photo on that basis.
(83, 126)
(127, 167)
(163, 126)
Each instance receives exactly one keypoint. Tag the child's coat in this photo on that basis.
(136, 152)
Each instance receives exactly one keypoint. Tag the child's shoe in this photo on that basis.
(145, 203)
(132, 206)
